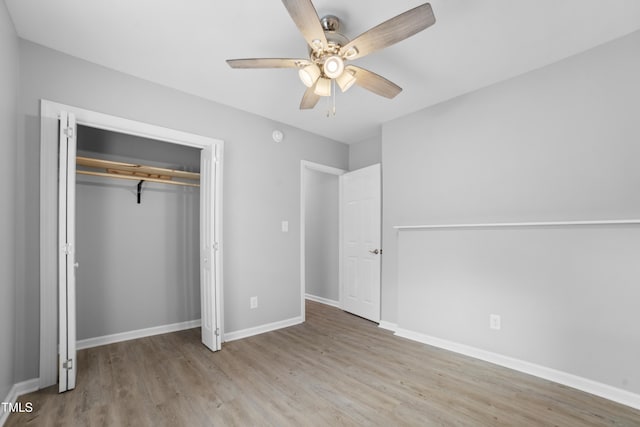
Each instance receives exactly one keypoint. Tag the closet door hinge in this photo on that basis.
(217, 332)
(68, 131)
(67, 249)
(215, 246)
(67, 364)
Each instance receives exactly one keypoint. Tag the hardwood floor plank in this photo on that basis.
(335, 369)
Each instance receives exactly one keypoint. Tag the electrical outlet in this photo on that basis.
(494, 321)
(284, 226)
(253, 302)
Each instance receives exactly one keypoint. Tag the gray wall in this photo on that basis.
(365, 153)
(261, 183)
(113, 145)
(321, 234)
(8, 99)
(567, 296)
(559, 143)
(132, 255)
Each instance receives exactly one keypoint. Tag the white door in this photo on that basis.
(66, 255)
(361, 252)
(209, 250)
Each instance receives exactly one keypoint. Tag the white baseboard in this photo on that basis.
(388, 325)
(593, 387)
(321, 300)
(140, 333)
(249, 332)
(16, 391)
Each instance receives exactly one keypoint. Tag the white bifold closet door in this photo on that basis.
(210, 228)
(67, 258)
(209, 259)
(210, 295)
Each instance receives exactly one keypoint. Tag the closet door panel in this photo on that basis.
(67, 262)
(208, 247)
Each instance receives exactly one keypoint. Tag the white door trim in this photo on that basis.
(304, 166)
(49, 202)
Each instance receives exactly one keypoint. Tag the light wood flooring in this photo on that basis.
(335, 369)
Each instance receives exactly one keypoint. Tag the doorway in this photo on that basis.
(52, 134)
(319, 234)
(358, 248)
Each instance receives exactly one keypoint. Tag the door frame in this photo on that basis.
(49, 112)
(306, 166)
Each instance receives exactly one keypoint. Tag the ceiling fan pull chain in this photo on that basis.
(334, 96)
(331, 110)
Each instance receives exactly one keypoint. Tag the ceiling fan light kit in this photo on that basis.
(329, 50)
(333, 67)
(309, 74)
(351, 53)
(323, 87)
(345, 80)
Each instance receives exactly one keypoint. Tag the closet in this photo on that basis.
(137, 236)
(136, 265)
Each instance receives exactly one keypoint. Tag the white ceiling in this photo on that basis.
(184, 44)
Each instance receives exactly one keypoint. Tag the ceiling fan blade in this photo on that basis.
(309, 99)
(268, 63)
(306, 18)
(390, 32)
(374, 82)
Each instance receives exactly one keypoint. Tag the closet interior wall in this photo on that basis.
(138, 263)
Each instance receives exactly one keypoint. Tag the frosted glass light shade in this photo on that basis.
(346, 80)
(333, 67)
(309, 74)
(323, 87)
(351, 53)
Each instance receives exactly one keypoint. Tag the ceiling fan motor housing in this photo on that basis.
(335, 40)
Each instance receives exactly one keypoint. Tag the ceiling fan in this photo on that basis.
(329, 51)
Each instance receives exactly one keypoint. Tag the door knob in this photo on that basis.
(376, 251)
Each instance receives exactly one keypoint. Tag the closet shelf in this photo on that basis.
(135, 172)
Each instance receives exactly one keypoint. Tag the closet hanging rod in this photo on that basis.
(136, 172)
(137, 178)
